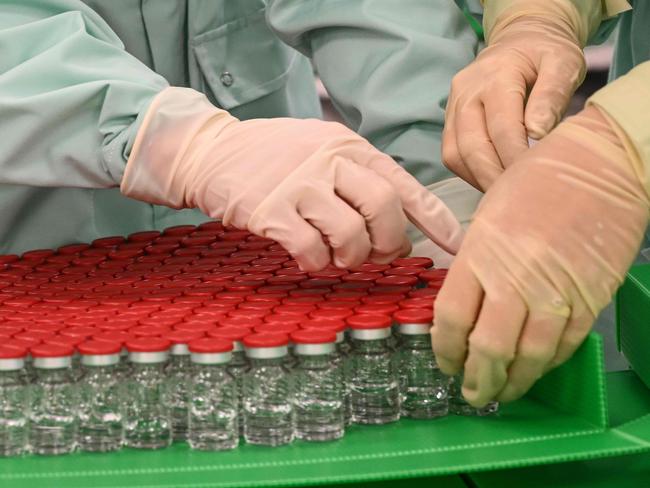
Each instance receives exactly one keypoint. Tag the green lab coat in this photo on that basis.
(76, 78)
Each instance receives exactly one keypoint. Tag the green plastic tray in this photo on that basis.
(629, 406)
(563, 418)
(633, 320)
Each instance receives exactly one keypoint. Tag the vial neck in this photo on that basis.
(415, 341)
(371, 346)
(267, 362)
(238, 359)
(312, 361)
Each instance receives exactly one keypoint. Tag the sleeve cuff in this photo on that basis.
(627, 102)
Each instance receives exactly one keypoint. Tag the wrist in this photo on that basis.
(576, 22)
(169, 146)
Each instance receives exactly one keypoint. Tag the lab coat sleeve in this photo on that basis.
(387, 65)
(627, 101)
(596, 18)
(70, 96)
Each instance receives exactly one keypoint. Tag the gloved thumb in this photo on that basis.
(556, 82)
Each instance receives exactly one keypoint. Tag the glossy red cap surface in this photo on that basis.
(368, 321)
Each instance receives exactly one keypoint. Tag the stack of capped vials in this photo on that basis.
(209, 334)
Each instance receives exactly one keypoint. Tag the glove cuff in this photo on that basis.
(579, 18)
(166, 147)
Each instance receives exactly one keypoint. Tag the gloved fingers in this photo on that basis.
(574, 334)
(379, 258)
(450, 154)
(376, 200)
(493, 344)
(455, 311)
(504, 114)
(297, 236)
(537, 347)
(474, 144)
(424, 209)
(557, 79)
(343, 226)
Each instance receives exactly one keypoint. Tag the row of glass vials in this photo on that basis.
(265, 388)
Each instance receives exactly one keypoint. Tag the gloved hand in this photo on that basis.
(549, 245)
(518, 86)
(295, 181)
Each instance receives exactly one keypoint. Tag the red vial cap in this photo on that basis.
(346, 296)
(266, 339)
(81, 331)
(248, 314)
(8, 258)
(368, 321)
(149, 330)
(148, 344)
(321, 282)
(413, 316)
(247, 322)
(434, 274)
(268, 298)
(37, 254)
(72, 248)
(34, 336)
(303, 309)
(258, 305)
(99, 348)
(179, 230)
(334, 325)
(310, 292)
(279, 280)
(23, 342)
(211, 225)
(397, 280)
(144, 236)
(9, 351)
(194, 327)
(423, 302)
(421, 262)
(210, 345)
(284, 319)
(182, 336)
(233, 333)
(377, 308)
(330, 314)
(108, 241)
(370, 268)
(309, 300)
(337, 305)
(276, 328)
(381, 299)
(118, 336)
(276, 288)
(313, 336)
(404, 271)
(353, 285)
(328, 273)
(72, 341)
(423, 293)
(51, 351)
(10, 329)
(389, 290)
(361, 277)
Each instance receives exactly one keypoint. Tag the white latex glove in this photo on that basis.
(294, 181)
(519, 86)
(549, 245)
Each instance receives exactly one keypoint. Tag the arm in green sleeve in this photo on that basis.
(70, 96)
(386, 65)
